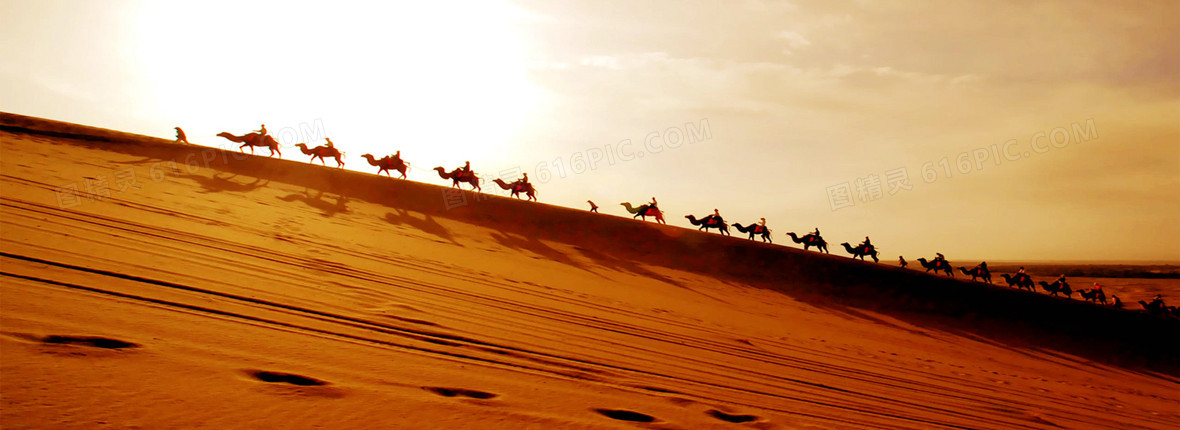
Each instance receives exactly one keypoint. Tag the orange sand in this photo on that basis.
(265, 293)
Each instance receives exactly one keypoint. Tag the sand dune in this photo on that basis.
(203, 288)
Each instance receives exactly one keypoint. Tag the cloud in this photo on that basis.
(794, 41)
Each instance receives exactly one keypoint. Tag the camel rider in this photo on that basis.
(465, 171)
(867, 244)
(714, 219)
(523, 182)
(817, 232)
(1061, 279)
(330, 144)
(261, 130)
(762, 225)
(901, 261)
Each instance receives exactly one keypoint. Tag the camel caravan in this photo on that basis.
(464, 175)
(461, 175)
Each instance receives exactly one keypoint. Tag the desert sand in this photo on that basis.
(190, 287)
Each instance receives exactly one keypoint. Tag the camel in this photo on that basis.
(809, 240)
(709, 222)
(387, 163)
(1020, 281)
(1157, 307)
(456, 177)
(645, 211)
(1093, 296)
(322, 152)
(252, 140)
(977, 272)
(1057, 287)
(518, 188)
(937, 266)
(753, 229)
(861, 251)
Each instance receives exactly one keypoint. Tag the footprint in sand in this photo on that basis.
(732, 418)
(95, 342)
(286, 378)
(623, 415)
(287, 384)
(460, 392)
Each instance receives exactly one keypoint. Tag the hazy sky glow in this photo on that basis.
(1079, 102)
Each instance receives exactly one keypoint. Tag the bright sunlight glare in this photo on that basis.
(442, 81)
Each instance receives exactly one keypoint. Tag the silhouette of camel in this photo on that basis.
(252, 140)
(1020, 281)
(645, 211)
(518, 188)
(861, 251)
(387, 163)
(709, 222)
(322, 152)
(809, 240)
(977, 272)
(1093, 296)
(753, 229)
(1057, 287)
(1157, 307)
(456, 177)
(940, 266)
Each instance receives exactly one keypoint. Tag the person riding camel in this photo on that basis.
(867, 244)
(901, 261)
(1098, 289)
(714, 219)
(1061, 280)
(940, 260)
(330, 144)
(521, 183)
(761, 225)
(465, 171)
(261, 132)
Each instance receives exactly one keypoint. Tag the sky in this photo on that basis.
(1002, 131)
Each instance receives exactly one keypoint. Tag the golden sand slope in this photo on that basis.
(244, 292)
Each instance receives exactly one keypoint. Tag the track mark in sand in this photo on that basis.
(731, 417)
(288, 378)
(460, 392)
(96, 342)
(622, 415)
(658, 390)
